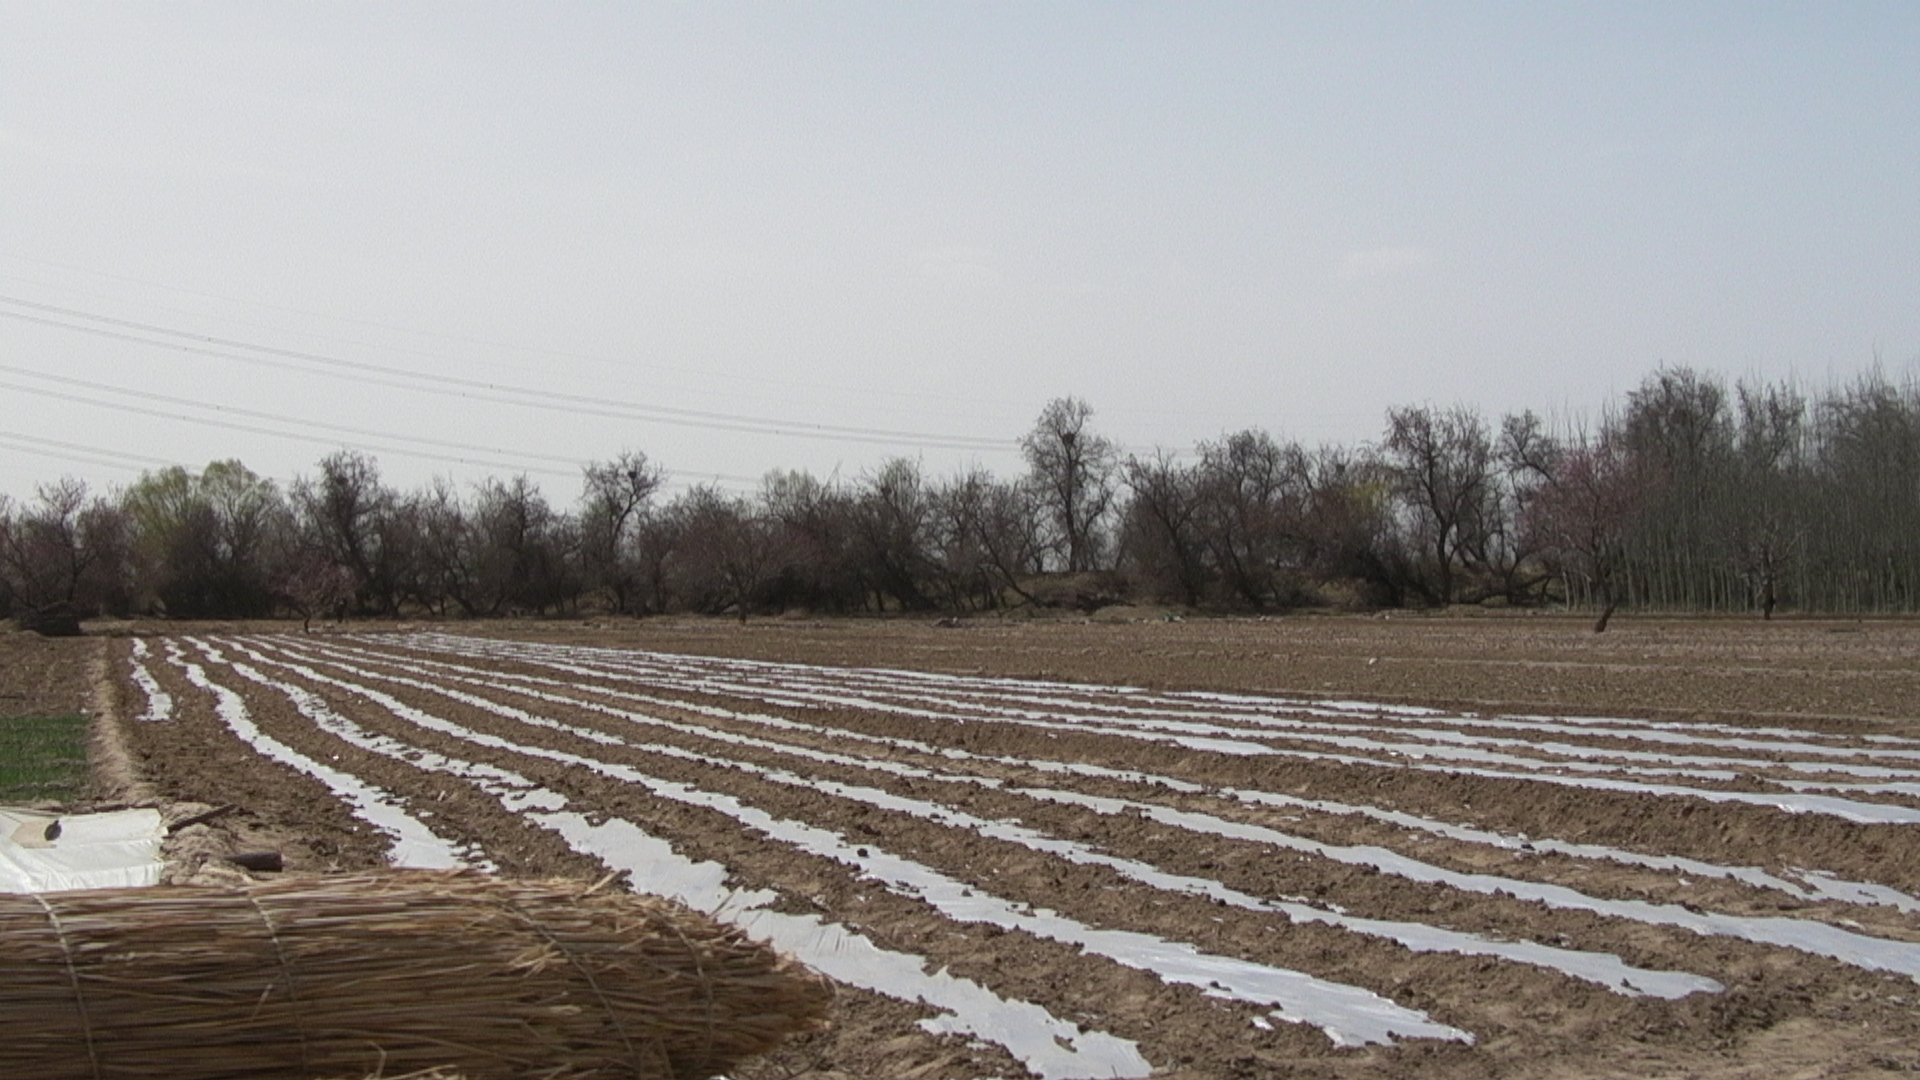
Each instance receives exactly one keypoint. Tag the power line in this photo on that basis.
(99, 456)
(144, 395)
(1140, 448)
(76, 452)
(561, 353)
(273, 433)
(907, 438)
(498, 392)
(256, 414)
(615, 413)
(144, 459)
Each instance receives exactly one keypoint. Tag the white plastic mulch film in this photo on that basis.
(41, 852)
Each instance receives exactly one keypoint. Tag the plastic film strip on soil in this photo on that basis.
(838, 766)
(1814, 937)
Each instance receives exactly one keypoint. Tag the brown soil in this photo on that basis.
(1839, 670)
(42, 676)
(67, 676)
(1784, 1013)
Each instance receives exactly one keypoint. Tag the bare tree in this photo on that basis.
(1692, 497)
(1677, 419)
(1592, 496)
(1160, 532)
(893, 519)
(1252, 493)
(312, 586)
(1863, 514)
(447, 573)
(1444, 463)
(821, 540)
(1760, 528)
(963, 571)
(522, 547)
(1075, 470)
(342, 513)
(64, 557)
(1677, 426)
(10, 598)
(656, 544)
(1003, 519)
(613, 502)
(1348, 526)
(728, 553)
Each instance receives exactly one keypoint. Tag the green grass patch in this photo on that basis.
(43, 757)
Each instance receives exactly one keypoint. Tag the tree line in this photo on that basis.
(1690, 494)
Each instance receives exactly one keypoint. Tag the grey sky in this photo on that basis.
(920, 219)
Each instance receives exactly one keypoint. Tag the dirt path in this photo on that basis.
(1469, 877)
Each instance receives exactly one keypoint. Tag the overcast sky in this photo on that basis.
(485, 239)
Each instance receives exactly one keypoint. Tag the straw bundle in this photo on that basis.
(384, 974)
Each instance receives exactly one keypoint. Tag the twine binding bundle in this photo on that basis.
(385, 974)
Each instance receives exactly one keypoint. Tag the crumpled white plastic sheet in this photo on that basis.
(113, 850)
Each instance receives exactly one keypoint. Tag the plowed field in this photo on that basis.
(1332, 848)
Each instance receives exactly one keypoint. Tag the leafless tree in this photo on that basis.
(613, 502)
(1445, 467)
(342, 514)
(312, 587)
(1760, 527)
(64, 556)
(1012, 536)
(728, 554)
(1348, 526)
(522, 548)
(656, 542)
(10, 598)
(1863, 512)
(1691, 497)
(1252, 493)
(1591, 498)
(963, 570)
(893, 522)
(821, 540)
(1160, 532)
(1677, 428)
(1677, 420)
(444, 573)
(1075, 470)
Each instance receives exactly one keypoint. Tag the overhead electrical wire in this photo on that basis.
(100, 456)
(415, 332)
(252, 360)
(253, 429)
(509, 458)
(477, 389)
(946, 441)
(256, 414)
(682, 475)
(76, 452)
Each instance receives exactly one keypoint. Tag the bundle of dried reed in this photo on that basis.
(385, 974)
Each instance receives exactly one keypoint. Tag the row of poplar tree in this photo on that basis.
(1689, 494)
